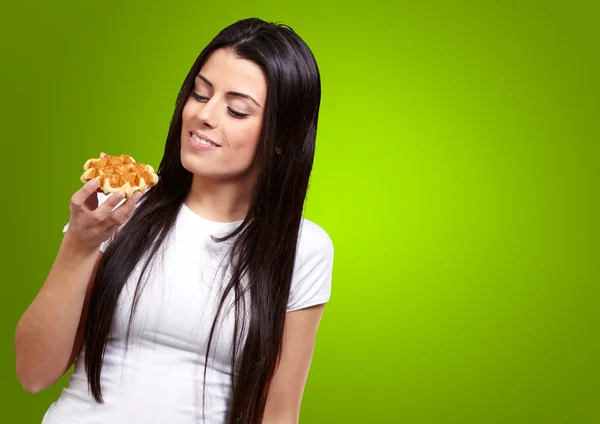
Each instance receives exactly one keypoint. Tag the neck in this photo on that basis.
(220, 201)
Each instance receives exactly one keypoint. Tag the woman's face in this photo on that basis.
(222, 118)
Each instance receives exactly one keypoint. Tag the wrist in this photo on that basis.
(76, 248)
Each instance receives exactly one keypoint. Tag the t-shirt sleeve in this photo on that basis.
(312, 279)
(101, 198)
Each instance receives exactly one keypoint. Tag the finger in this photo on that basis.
(130, 212)
(112, 229)
(81, 195)
(104, 210)
(91, 203)
(123, 212)
(102, 154)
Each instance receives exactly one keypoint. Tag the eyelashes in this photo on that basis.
(232, 112)
(198, 97)
(237, 114)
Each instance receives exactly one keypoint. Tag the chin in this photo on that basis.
(192, 164)
(198, 167)
(210, 169)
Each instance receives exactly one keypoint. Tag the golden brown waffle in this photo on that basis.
(119, 174)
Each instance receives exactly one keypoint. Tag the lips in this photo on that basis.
(198, 135)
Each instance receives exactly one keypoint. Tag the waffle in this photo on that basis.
(119, 174)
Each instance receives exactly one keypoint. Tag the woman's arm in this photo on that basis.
(285, 392)
(49, 333)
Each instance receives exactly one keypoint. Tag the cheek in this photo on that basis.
(245, 138)
(187, 112)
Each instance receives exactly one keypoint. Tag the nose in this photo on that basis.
(207, 114)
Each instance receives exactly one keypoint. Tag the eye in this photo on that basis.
(199, 97)
(237, 115)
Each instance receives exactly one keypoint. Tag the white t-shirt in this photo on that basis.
(160, 379)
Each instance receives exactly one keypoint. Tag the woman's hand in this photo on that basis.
(90, 225)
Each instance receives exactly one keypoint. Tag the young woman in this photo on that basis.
(199, 302)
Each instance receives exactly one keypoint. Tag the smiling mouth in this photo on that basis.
(203, 141)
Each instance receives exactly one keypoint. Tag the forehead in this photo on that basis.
(227, 72)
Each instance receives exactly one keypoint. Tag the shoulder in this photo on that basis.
(311, 282)
(313, 240)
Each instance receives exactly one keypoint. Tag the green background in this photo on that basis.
(456, 172)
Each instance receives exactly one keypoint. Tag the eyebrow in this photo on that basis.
(230, 93)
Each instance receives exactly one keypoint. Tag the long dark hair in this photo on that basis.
(263, 246)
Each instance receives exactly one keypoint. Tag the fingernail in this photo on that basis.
(93, 182)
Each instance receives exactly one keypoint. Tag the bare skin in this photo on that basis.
(49, 334)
